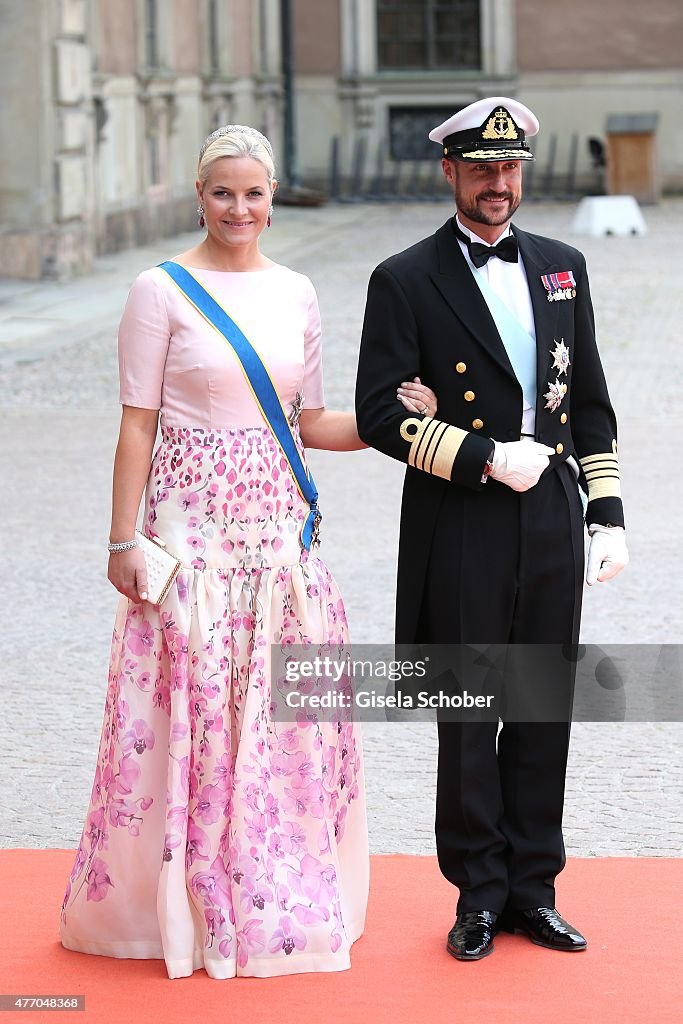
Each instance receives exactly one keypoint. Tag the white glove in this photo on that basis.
(607, 553)
(519, 464)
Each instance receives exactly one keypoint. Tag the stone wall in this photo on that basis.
(610, 35)
(101, 131)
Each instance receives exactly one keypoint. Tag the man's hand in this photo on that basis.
(519, 464)
(607, 553)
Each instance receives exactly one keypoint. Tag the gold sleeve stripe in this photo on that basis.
(413, 430)
(603, 488)
(429, 440)
(601, 467)
(602, 475)
(420, 438)
(435, 438)
(447, 452)
(434, 444)
(609, 474)
(603, 457)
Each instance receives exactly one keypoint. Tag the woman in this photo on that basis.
(217, 837)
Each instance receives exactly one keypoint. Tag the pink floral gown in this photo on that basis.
(216, 837)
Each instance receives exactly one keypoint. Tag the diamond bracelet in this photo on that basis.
(122, 545)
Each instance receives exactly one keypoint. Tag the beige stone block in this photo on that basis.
(72, 71)
(120, 154)
(73, 129)
(71, 197)
(20, 256)
(73, 17)
(58, 253)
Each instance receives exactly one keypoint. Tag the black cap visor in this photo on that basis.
(479, 152)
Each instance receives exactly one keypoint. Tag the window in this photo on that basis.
(409, 129)
(429, 35)
(213, 28)
(151, 34)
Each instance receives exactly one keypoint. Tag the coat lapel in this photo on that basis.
(454, 281)
(537, 264)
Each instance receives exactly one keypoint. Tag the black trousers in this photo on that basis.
(506, 568)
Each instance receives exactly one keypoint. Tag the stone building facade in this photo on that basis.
(104, 105)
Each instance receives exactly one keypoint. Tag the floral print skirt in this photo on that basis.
(216, 837)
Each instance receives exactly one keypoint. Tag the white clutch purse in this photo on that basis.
(162, 567)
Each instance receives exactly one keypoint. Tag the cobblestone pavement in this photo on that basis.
(58, 394)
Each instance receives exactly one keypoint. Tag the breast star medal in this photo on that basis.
(297, 406)
(560, 356)
(555, 394)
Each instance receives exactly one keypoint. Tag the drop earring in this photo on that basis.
(270, 215)
(200, 214)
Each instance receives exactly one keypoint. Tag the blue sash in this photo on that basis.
(519, 344)
(261, 386)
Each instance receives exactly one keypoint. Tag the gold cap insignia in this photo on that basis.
(500, 126)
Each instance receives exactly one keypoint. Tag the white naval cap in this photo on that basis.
(494, 128)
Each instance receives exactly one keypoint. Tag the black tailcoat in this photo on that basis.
(425, 316)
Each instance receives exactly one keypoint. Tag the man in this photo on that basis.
(499, 323)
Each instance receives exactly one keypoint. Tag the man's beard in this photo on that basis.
(479, 216)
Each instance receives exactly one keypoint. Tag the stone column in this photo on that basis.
(268, 70)
(357, 88)
(498, 42)
(46, 179)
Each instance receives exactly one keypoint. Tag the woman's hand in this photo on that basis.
(128, 573)
(417, 397)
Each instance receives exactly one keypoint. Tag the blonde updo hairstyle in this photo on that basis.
(235, 140)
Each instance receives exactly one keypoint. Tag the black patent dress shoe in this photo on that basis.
(471, 937)
(545, 927)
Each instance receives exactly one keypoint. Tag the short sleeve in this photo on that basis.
(144, 336)
(313, 354)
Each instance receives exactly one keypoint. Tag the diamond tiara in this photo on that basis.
(236, 129)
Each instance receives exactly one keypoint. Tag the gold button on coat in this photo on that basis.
(461, 367)
(559, 448)
(563, 418)
(469, 396)
(477, 424)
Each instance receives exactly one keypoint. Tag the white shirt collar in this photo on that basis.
(477, 238)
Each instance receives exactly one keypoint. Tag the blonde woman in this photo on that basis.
(217, 837)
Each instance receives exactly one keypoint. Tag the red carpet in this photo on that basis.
(632, 973)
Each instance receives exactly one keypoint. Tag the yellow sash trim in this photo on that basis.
(239, 361)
